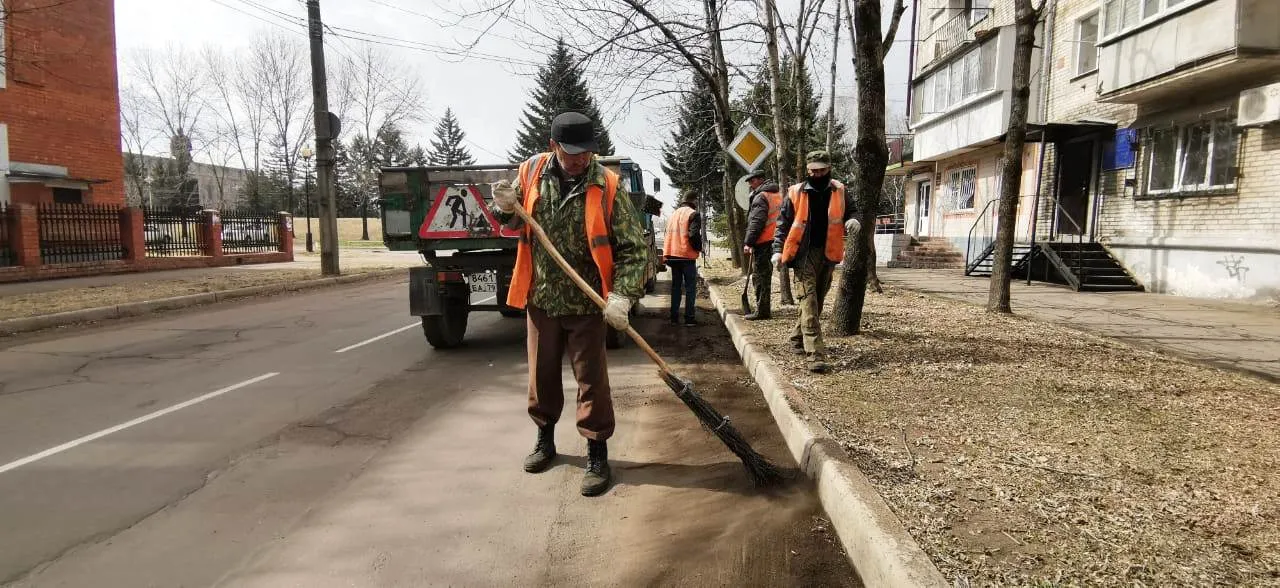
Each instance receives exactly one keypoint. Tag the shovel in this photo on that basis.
(761, 471)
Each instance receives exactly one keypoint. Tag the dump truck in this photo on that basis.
(444, 213)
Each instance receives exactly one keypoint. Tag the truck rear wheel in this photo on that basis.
(447, 330)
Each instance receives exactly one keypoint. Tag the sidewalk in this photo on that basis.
(1232, 335)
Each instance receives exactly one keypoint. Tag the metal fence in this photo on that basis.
(887, 224)
(79, 233)
(173, 232)
(7, 258)
(250, 232)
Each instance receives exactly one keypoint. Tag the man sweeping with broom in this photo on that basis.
(589, 218)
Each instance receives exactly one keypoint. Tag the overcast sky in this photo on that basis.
(487, 93)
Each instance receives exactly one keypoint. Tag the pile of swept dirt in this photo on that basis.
(1020, 452)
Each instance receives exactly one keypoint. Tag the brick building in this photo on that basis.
(59, 103)
(1158, 122)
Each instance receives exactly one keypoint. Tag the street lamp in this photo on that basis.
(307, 154)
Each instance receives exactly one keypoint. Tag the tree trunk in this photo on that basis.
(775, 89)
(831, 103)
(871, 156)
(724, 127)
(1011, 182)
(873, 280)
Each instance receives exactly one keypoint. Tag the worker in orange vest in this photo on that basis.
(762, 221)
(587, 212)
(812, 225)
(681, 247)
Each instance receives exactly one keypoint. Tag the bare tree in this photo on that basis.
(1025, 18)
(379, 95)
(280, 65)
(170, 87)
(240, 106)
(831, 96)
(135, 138)
(872, 154)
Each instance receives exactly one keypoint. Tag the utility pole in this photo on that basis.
(324, 145)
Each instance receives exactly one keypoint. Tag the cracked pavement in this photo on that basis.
(388, 464)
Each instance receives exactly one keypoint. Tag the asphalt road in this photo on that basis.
(315, 440)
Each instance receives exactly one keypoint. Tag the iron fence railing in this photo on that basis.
(79, 233)
(957, 31)
(888, 224)
(173, 232)
(7, 258)
(246, 231)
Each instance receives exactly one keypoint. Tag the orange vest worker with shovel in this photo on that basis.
(589, 218)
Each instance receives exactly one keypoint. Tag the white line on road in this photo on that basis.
(378, 338)
(13, 465)
(399, 330)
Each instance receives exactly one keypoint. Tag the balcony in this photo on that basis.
(953, 35)
(1199, 46)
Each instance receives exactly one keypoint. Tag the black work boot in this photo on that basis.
(597, 478)
(544, 452)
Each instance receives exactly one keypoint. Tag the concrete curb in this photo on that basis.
(879, 547)
(58, 319)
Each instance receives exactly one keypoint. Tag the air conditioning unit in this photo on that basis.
(1259, 106)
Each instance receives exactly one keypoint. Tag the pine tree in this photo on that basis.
(691, 159)
(446, 147)
(799, 103)
(560, 88)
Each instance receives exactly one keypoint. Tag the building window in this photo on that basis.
(977, 10)
(68, 196)
(1086, 44)
(1119, 15)
(967, 76)
(962, 185)
(1192, 157)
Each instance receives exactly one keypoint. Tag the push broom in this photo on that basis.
(762, 472)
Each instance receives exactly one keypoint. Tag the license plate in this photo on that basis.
(484, 282)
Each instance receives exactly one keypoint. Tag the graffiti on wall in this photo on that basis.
(1235, 268)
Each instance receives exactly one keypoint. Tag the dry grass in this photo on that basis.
(1022, 453)
(349, 231)
(68, 299)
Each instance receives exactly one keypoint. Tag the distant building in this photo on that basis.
(219, 187)
(59, 103)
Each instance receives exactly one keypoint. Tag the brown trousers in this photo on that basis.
(583, 338)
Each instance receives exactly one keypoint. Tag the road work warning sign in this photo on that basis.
(459, 211)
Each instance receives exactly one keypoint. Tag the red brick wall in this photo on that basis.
(61, 100)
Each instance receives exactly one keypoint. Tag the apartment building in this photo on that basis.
(59, 103)
(1185, 192)
(1152, 142)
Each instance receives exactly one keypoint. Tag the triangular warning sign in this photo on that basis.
(459, 211)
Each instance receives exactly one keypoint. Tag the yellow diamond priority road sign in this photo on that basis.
(750, 147)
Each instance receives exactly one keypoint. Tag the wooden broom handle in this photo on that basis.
(584, 286)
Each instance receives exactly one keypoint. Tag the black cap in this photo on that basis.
(758, 174)
(574, 132)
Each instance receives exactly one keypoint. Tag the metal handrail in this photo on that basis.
(968, 244)
(1078, 255)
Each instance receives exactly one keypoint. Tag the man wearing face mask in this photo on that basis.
(588, 214)
(815, 216)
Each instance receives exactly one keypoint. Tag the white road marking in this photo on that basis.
(378, 338)
(396, 331)
(13, 465)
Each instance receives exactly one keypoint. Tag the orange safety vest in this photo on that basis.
(676, 243)
(599, 211)
(771, 225)
(835, 223)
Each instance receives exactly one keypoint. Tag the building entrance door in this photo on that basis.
(924, 201)
(1075, 185)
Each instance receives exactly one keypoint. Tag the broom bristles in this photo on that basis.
(761, 471)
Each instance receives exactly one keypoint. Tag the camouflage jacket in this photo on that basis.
(561, 210)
